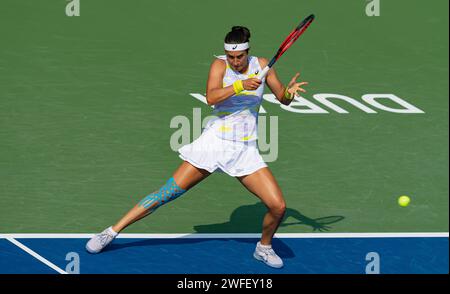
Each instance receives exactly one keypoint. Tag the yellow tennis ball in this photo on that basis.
(403, 201)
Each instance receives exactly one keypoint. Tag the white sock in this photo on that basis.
(112, 232)
(264, 246)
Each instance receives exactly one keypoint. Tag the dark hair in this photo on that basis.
(237, 35)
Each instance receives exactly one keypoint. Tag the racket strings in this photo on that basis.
(292, 37)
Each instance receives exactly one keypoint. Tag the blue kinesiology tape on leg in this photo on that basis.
(166, 193)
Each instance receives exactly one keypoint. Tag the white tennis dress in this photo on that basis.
(229, 141)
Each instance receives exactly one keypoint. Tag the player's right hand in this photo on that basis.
(251, 84)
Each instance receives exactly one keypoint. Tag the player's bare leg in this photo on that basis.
(186, 176)
(263, 184)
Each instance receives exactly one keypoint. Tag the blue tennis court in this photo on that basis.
(228, 255)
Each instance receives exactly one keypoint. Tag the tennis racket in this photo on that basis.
(293, 36)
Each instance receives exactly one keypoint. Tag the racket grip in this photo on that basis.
(263, 73)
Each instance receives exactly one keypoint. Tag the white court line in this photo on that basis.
(228, 236)
(35, 255)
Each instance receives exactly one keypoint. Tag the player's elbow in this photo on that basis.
(210, 101)
(212, 97)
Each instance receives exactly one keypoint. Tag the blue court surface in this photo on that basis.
(227, 254)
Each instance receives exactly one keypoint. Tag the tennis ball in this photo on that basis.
(403, 201)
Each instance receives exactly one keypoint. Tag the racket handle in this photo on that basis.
(263, 73)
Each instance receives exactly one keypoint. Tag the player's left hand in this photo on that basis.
(293, 87)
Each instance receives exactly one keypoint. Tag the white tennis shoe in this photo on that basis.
(100, 241)
(266, 254)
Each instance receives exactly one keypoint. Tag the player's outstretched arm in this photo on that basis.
(284, 94)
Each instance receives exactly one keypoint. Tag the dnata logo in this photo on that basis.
(371, 103)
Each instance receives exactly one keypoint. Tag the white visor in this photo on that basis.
(236, 47)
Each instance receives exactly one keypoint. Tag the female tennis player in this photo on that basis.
(228, 143)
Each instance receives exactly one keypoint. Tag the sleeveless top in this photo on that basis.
(236, 118)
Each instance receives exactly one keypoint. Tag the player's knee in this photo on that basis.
(278, 208)
(170, 191)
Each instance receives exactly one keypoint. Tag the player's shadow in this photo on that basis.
(248, 219)
(244, 219)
